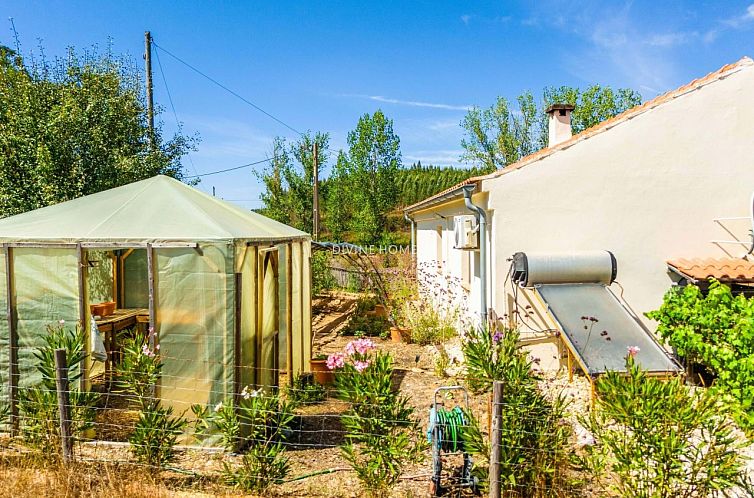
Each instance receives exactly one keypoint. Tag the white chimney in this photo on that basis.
(559, 123)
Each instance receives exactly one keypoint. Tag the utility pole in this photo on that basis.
(150, 99)
(315, 224)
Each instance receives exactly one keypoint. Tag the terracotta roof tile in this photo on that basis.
(722, 269)
(601, 127)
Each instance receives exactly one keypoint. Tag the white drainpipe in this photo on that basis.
(481, 217)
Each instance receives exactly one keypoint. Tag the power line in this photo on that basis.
(170, 99)
(231, 169)
(252, 104)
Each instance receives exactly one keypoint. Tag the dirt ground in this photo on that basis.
(318, 469)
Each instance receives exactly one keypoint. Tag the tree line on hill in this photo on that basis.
(368, 181)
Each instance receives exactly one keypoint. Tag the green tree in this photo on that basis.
(374, 159)
(502, 134)
(75, 126)
(289, 181)
(338, 205)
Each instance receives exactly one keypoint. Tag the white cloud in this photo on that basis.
(466, 18)
(413, 103)
(736, 22)
(670, 39)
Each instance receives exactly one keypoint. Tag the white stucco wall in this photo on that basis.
(648, 189)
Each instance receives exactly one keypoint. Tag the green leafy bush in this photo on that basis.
(428, 324)
(257, 418)
(535, 458)
(155, 435)
(322, 277)
(38, 404)
(363, 323)
(382, 434)
(157, 430)
(259, 423)
(659, 439)
(263, 466)
(716, 330)
(487, 356)
(305, 390)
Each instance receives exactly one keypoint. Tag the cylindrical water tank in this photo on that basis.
(533, 268)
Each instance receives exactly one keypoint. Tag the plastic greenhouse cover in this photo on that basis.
(195, 317)
(46, 288)
(159, 209)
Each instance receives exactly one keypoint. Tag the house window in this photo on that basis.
(438, 231)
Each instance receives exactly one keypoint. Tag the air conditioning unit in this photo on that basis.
(466, 232)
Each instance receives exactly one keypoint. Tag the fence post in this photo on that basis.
(495, 438)
(64, 405)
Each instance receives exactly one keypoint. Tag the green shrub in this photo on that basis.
(382, 434)
(38, 404)
(259, 423)
(716, 330)
(322, 277)
(155, 435)
(658, 439)
(305, 390)
(156, 432)
(428, 325)
(362, 323)
(263, 466)
(535, 452)
(258, 418)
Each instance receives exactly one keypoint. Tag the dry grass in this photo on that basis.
(23, 475)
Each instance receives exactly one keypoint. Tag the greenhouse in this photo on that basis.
(226, 290)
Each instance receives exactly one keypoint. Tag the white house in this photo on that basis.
(658, 182)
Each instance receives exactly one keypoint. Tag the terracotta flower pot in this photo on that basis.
(322, 374)
(400, 334)
(102, 309)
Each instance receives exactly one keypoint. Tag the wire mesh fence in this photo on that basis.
(306, 439)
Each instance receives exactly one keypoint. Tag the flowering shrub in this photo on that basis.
(157, 430)
(657, 439)
(430, 325)
(139, 370)
(445, 293)
(382, 433)
(259, 423)
(534, 440)
(257, 418)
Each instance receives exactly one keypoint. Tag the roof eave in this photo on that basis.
(442, 198)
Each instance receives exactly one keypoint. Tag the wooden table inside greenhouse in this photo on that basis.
(121, 319)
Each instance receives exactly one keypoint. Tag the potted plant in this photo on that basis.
(400, 334)
(322, 374)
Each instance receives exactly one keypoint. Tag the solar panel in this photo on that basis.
(602, 345)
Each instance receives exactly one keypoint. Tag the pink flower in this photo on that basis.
(350, 349)
(336, 360)
(360, 365)
(633, 351)
(146, 351)
(363, 346)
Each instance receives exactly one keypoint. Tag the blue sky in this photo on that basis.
(320, 65)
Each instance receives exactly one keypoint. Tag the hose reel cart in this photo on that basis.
(445, 433)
